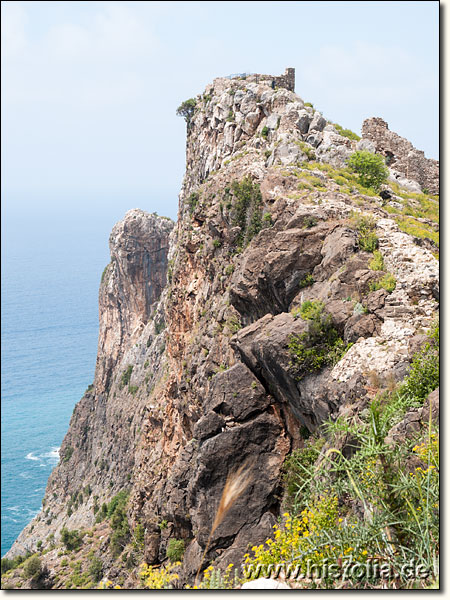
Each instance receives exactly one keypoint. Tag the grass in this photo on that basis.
(355, 497)
(307, 150)
(387, 282)
(417, 229)
(365, 225)
(348, 133)
(377, 262)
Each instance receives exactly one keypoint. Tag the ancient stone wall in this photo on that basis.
(401, 156)
(287, 80)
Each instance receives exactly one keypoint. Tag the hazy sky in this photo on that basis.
(90, 89)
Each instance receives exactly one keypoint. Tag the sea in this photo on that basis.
(51, 268)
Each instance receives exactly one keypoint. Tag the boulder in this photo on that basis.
(237, 393)
(415, 420)
(361, 326)
(269, 275)
(337, 247)
(272, 121)
(303, 121)
(318, 122)
(208, 426)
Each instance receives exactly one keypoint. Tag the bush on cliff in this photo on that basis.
(370, 167)
(187, 109)
(320, 345)
(247, 209)
(175, 549)
(32, 567)
(423, 376)
(365, 226)
(71, 539)
(360, 498)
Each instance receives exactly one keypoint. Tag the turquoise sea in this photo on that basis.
(51, 269)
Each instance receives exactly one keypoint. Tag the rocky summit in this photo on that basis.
(289, 296)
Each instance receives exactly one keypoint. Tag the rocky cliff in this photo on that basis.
(197, 369)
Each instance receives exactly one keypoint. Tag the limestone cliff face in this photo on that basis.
(196, 379)
(131, 285)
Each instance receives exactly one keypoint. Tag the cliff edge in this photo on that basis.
(197, 369)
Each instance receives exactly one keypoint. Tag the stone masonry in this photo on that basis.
(287, 80)
(401, 156)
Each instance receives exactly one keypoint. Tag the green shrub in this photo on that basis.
(104, 273)
(118, 501)
(247, 209)
(377, 262)
(307, 149)
(95, 569)
(12, 563)
(32, 567)
(320, 345)
(365, 225)
(371, 168)
(309, 222)
(138, 537)
(387, 282)
(217, 243)
(160, 326)
(101, 513)
(192, 201)
(265, 132)
(116, 512)
(175, 549)
(306, 281)
(423, 376)
(126, 376)
(71, 539)
(234, 323)
(68, 454)
(186, 110)
(267, 219)
(299, 462)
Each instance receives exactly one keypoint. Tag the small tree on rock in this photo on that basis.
(370, 167)
(32, 567)
(186, 110)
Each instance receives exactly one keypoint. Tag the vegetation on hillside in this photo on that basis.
(357, 497)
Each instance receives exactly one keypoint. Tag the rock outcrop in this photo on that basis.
(404, 161)
(131, 286)
(195, 376)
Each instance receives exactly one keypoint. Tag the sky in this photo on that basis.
(90, 89)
